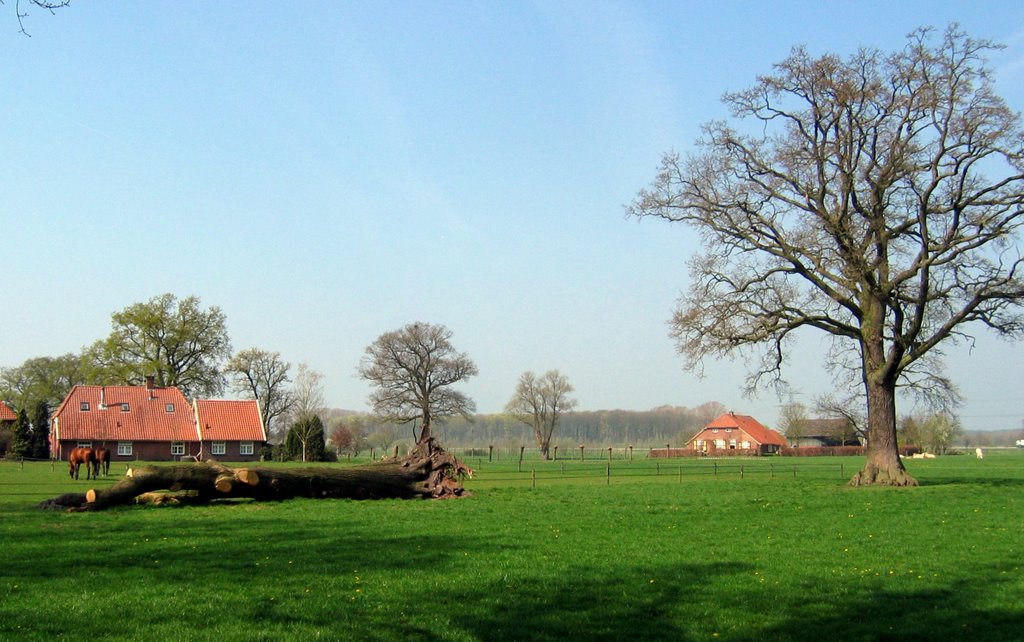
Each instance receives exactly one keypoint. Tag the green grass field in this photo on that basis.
(658, 550)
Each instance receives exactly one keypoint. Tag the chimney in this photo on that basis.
(103, 397)
(150, 382)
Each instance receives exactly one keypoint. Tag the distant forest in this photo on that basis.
(657, 427)
(598, 428)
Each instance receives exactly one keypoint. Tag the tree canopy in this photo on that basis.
(877, 199)
(176, 341)
(413, 369)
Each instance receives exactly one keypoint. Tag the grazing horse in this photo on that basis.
(102, 462)
(78, 457)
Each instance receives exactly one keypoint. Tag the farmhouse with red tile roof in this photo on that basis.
(7, 416)
(155, 423)
(231, 430)
(737, 432)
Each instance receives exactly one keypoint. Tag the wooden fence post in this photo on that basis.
(609, 473)
(631, 452)
(534, 477)
(556, 453)
(490, 454)
(609, 453)
(581, 452)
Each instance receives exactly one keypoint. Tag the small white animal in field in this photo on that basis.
(979, 453)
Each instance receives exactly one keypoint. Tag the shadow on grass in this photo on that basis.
(956, 613)
(993, 482)
(309, 573)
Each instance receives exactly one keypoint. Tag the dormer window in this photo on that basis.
(84, 406)
(125, 407)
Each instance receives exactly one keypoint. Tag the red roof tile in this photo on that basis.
(131, 413)
(750, 426)
(225, 420)
(6, 414)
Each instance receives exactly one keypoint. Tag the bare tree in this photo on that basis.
(414, 369)
(793, 421)
(539, 402)
(263, 376)
(877, 199)
(49, 5)
(307, 393)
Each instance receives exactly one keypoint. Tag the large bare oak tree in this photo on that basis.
(876, 198)
(413, 369)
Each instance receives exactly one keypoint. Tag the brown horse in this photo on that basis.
(81, 456)
(102, 462)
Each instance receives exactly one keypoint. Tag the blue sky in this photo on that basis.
(326, 172)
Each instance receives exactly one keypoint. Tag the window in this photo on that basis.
(85, 444)
(218, 448)
(745, 445)
(714, 430)
(245, 448)
(125, 407)
(732, 444)
(169, 407)
(177, 448)
(84, 407)
(124, 449)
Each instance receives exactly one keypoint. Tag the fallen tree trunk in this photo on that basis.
(429, 472)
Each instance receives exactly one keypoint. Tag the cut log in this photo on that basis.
(428, 472)
(248, 476)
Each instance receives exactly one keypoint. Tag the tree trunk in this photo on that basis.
(433, 475)
(883, 465)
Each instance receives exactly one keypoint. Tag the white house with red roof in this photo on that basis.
(155, 423)
(737, 432)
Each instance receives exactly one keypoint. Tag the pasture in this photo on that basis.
(676, 550)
